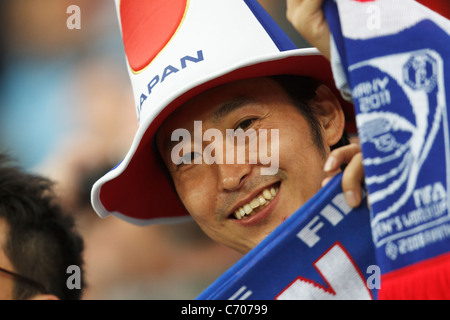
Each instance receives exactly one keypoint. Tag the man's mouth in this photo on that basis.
(257, 203)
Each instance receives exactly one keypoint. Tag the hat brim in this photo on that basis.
(139, 189)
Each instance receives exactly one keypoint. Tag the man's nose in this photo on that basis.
(232, 176)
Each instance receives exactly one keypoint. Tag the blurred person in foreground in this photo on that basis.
(38, 242)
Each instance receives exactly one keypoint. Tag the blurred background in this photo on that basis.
(67, 112)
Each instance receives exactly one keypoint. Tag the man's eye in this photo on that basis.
(188, 158)
(245, 124)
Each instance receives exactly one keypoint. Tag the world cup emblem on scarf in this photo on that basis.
(400, 116)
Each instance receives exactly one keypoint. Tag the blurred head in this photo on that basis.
(38, 242)
(232, 201)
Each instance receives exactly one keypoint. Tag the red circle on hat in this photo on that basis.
(147, 27)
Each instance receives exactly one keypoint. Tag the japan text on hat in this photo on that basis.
(175, 50)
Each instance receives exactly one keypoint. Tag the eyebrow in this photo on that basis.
(227, 107)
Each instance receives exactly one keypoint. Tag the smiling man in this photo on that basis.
(249, 79)
(233, 203)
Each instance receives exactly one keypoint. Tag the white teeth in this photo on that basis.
(256, 204)
(262, 200)
(273, 192)
(247, 209)
(267, 195)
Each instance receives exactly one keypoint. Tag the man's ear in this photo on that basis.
(44, 297)
(330, 115)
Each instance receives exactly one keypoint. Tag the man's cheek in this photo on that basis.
(197, 202)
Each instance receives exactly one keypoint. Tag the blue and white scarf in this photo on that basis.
(393, 57)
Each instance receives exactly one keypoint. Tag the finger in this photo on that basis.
(312, 6)
(308, 6)
(326, 180)
(307, 17)
(352, 180)
(293, 9)
(298, 11)
(293, 4)
(341, 156)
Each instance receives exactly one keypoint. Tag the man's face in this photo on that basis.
(6, 281)
(212, 193)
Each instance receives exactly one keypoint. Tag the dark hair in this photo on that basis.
(302, 92)
(42, 241)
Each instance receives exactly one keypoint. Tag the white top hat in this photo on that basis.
(175, 50)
